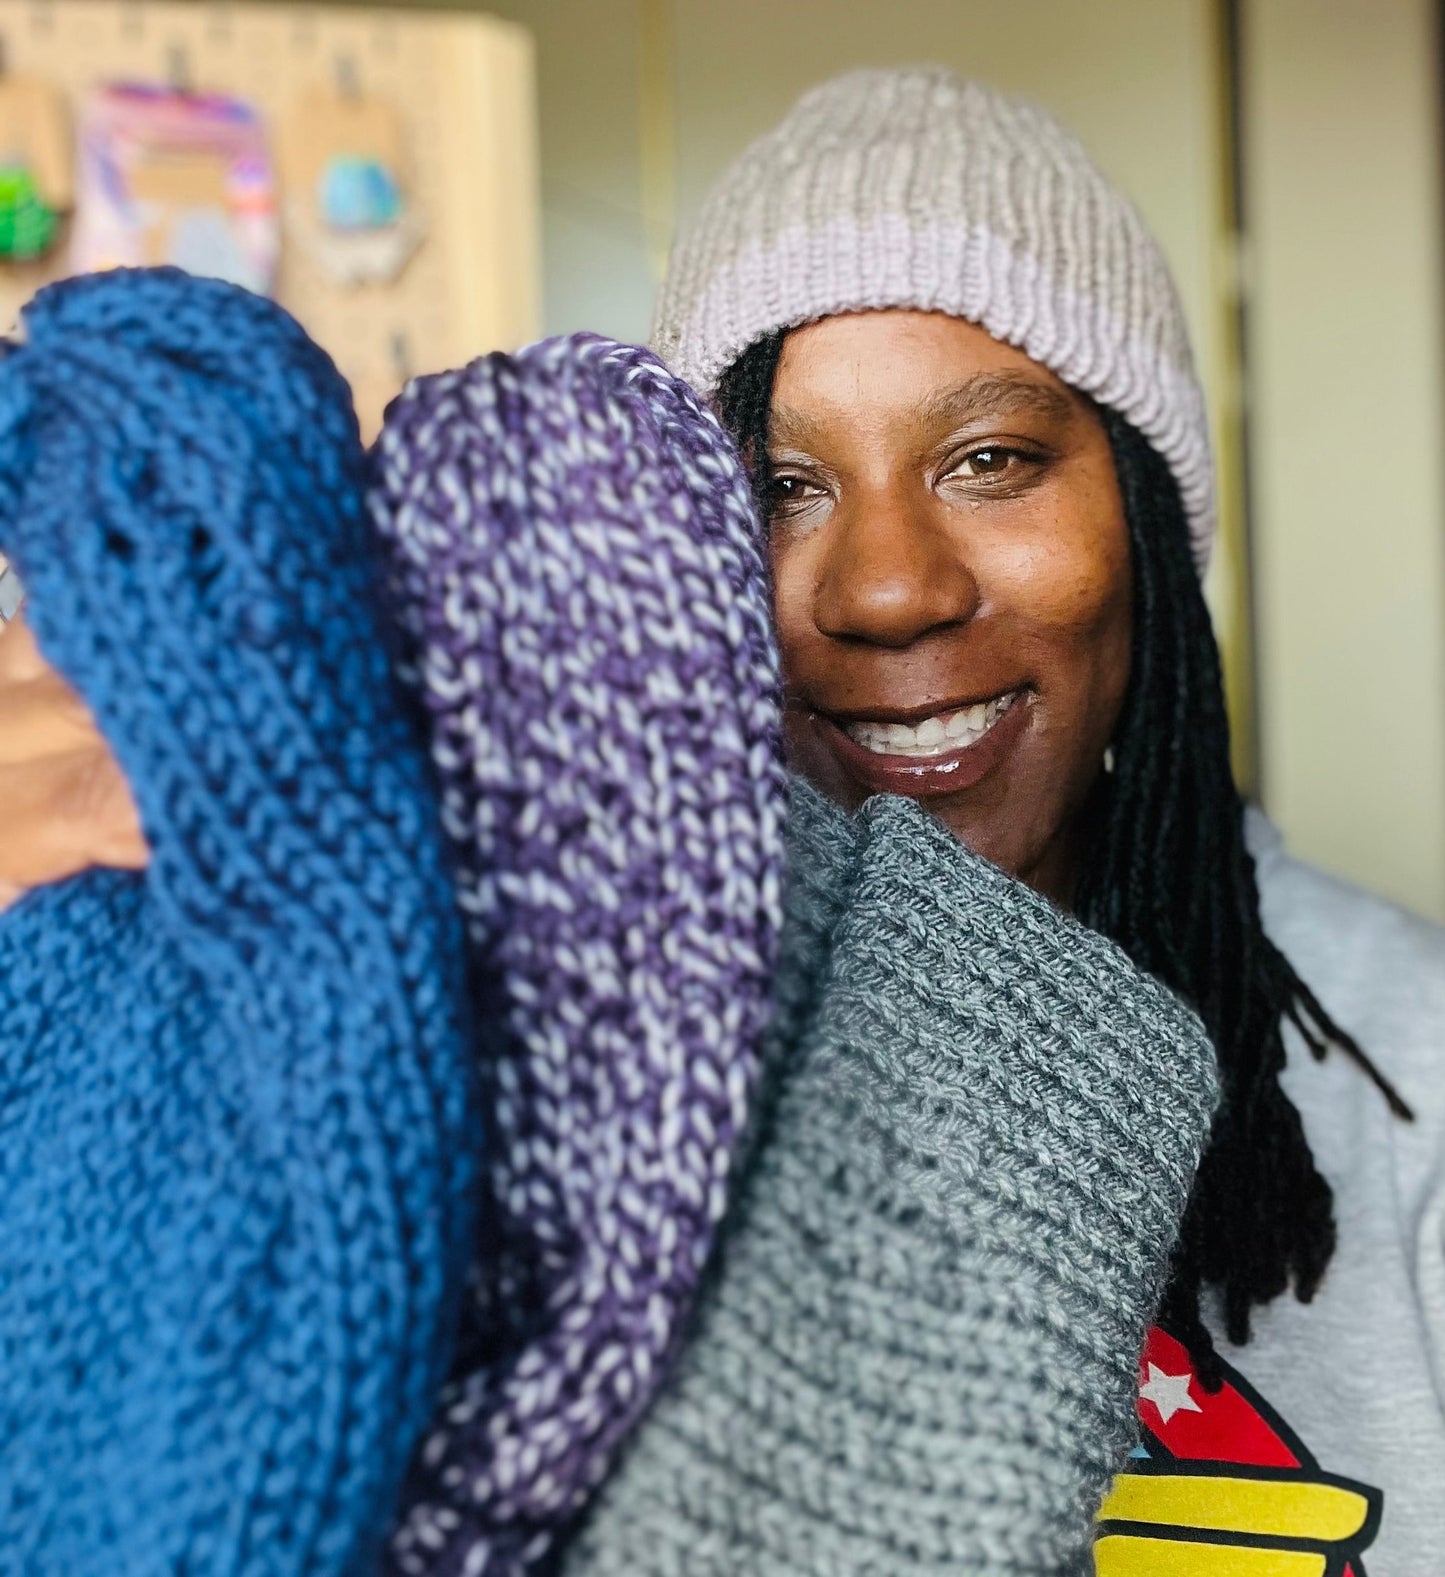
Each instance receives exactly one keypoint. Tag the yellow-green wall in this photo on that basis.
(1346, 293)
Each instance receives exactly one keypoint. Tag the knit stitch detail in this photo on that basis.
(917, 1353)
(236, 1118)
(575, 560)
(914, 188)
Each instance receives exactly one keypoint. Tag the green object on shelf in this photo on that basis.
(27, 223)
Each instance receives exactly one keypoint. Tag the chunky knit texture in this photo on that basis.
(918, 1352)
(235, 1128)
(914, 188)
(574, 558)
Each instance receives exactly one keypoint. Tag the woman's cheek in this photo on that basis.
(810, 757)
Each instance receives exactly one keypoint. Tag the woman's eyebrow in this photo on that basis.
(797, 428)
(985, 394)
(996, 394)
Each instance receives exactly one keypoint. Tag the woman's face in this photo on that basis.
(952, 578)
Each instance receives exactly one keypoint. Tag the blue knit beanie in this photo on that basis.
(235, 1119)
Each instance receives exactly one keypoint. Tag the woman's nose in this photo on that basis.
(891, 575)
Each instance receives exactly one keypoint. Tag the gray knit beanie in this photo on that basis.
(917, 1352)
(915, 188)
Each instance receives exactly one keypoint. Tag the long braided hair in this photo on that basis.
(1168, 876)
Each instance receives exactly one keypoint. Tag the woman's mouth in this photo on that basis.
(941, 754)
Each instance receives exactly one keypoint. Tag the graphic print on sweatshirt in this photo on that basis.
(1222, 1486)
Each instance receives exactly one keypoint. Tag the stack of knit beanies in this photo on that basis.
(237, 1132)
(574, 559)
(857, 1288)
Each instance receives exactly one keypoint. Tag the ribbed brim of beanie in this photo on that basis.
(576, 560)
(916, 189)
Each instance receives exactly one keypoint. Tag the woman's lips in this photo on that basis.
(924, 760)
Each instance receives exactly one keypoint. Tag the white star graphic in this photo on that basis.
(1169, 1393)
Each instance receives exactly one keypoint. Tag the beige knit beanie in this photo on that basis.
(915, 188)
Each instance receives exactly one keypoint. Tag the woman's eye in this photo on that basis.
(789, 492)
(993, 461)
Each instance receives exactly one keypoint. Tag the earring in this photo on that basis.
(1109, 758)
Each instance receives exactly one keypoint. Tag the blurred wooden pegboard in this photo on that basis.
(463, 86)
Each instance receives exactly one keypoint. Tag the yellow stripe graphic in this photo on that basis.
(1124, 1555)
(1281, 1509)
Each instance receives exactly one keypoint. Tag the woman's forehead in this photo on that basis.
(926, 367)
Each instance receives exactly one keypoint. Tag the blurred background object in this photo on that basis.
(1287, 154)
(438, 104)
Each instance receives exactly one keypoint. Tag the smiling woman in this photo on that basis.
(955, 363)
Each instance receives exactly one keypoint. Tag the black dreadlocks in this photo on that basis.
(1167, 875)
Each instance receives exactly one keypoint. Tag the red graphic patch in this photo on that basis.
(1224, 1485)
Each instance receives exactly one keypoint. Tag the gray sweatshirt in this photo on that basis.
(1328, 1442)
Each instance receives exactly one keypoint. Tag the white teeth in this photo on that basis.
(968, 722)
(934, 736)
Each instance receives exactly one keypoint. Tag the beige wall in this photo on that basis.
(737, 65)
(1346, 291)
(595, 265)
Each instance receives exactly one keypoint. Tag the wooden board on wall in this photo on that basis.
(463, 87)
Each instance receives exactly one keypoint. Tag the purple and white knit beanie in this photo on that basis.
(915, 188)
(575, 561)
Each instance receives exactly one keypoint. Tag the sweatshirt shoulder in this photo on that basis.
(1379, 969)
